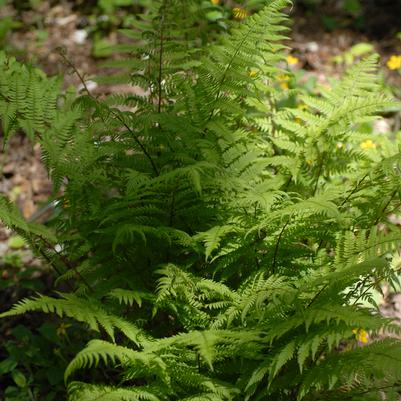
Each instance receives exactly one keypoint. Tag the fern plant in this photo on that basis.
(219, 245)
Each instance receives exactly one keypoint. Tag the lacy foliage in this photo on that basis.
(220, 245)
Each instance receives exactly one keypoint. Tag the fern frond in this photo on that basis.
(87, 311)
(89, 392)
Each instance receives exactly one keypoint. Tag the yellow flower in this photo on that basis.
(284, 86)
(368, 144)
(215, 2)
(253, 73)
(66, 204)
(361, 335)
(239, 13)
(302, 106)
(62, 329)
(291, 60)
(283, 77)
(394, 62)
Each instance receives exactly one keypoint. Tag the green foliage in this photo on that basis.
(33, 364)
(219, 244)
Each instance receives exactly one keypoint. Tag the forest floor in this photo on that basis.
(22, 175)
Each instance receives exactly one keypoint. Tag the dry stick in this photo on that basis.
(136, 139)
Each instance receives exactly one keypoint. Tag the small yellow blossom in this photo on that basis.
(302, 106)
(368, 144)
(394, 62)
(215, 2)
(309, 162)
(361, 335)
(340, 145)
(283, 78)
(284, 86)
(253, 73)
(239, 13)
(62, 329)
(66, 204)
(14, 193)
(291, 60)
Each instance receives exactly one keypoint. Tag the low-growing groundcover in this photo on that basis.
(219, 243)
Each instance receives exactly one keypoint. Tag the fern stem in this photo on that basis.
(56, 269)
(69, 265)
(223, 77)
(38, 249)
(369, 287)
(316, 296)
(75, 70)
(161, 48)
(372, 389)
(136, 139)
(319, 173)
(139, 143)
(380, 214)
(354, 190)
(172, 207)
(278, 245)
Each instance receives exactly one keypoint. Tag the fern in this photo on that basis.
(229, 238)
(87, 311)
